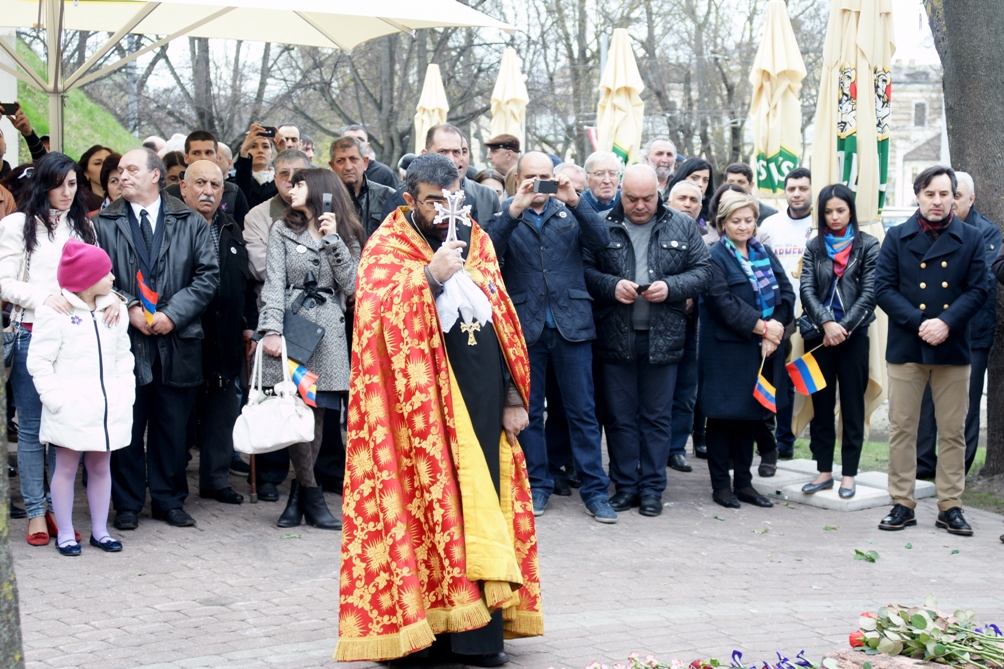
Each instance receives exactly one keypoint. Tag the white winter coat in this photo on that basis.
(83, 371)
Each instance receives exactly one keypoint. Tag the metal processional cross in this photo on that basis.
(453, 212)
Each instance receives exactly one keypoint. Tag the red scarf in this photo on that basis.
(933, 229)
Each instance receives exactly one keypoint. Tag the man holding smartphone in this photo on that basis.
(540, 238)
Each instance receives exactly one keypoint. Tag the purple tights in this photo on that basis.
(99, 491)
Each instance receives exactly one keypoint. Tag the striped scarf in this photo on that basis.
(759, 273)
(839, 248)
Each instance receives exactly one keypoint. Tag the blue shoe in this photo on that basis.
(107, 544)
(69, 549)
(847, 493)
(539, 501)
(810, 488)
(601, 510)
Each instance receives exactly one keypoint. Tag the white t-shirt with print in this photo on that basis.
(787, 238)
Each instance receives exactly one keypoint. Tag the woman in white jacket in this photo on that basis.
(51, 210)
(83, 371)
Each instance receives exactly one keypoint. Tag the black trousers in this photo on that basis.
(559, 443)
(927, 431)
(216, 409)
(730, 439)
(844, 367)
(161, 412)
(329, 468)
(639, 403)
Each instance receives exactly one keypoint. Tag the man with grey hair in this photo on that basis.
(349, 160)
(231, 312)
(660, 155)
(137, 229)
(376, 172)
(640, 284)
(603, 179)
(981, 338)
(575, 174)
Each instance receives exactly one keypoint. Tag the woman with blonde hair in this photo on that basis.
(742, 320)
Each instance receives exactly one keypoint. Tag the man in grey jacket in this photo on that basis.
(166, 268)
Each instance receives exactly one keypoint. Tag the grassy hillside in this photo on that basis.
(86, 122)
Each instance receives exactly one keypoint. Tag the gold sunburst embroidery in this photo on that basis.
(418, 371)
(350, 625)
(376, 554)
(411, 602)
(385, 600)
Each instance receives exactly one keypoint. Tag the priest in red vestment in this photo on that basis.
(439, 547)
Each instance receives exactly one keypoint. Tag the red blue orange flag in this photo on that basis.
(147, 298)
(763, 392)
(306, 382)
(805, 374)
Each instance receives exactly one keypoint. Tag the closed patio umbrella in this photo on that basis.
(432, 106)
(509, 99)
(621, 112)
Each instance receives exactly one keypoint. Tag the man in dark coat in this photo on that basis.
(539, 240)
(376, 171)
(158, 240)
(931, 280)
(349, 161)
(981, 336)
(640, 283)
(231, 311)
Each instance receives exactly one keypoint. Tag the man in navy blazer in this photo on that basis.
(931, 280)
(539, 240)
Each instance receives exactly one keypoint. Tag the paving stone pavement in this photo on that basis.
(698, 581)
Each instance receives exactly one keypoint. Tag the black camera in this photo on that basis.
(548, 186)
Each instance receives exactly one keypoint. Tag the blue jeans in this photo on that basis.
(30, 453)
(685, 394)
(573, 369)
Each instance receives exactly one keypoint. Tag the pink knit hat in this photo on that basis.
(82, 266)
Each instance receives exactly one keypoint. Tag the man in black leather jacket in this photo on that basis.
(640, 283)
(158, 236)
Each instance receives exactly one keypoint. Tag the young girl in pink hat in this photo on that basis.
(83, 371)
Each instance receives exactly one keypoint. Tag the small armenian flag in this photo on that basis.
(147, 298)
(306, 382)
(805, 374)
(763, 392)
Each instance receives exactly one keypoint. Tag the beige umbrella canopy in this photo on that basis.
(321, 23)
(850, 142)
(509, 99)
(432, 106)
(621, 112)
(776, 113)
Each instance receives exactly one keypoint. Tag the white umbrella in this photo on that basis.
(320, 23)
(509, 98)
(432, 106)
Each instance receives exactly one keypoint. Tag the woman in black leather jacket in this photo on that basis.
(838, 302)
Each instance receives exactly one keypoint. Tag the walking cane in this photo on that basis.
(254, 479)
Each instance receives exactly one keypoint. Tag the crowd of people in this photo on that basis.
(649, 300)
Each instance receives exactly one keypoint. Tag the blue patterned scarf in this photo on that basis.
(588, 196)
(839, 248)
(759, 273)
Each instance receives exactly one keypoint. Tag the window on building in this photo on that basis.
(920, 114)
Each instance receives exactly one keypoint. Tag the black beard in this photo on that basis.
(426, 226)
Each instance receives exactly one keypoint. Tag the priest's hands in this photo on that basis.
(446, 262)
(514, 421)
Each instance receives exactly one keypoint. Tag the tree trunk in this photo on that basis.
(966, 35)
(11, 654)
(202, 84)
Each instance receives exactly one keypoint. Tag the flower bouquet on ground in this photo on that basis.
(925, 633)
(636, 661)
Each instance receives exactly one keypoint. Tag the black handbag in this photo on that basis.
(808, 329)
(302, 334)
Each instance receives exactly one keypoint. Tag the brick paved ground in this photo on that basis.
(236, 591)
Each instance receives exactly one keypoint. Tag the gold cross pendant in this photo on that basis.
(470, 329)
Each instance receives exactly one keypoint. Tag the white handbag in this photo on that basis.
(270, 422)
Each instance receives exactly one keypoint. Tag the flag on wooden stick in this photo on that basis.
(805, 374)
(763, 392)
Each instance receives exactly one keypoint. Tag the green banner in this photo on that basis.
(771, 171)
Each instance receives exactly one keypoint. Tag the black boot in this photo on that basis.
(292, 515)
(315, 509)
